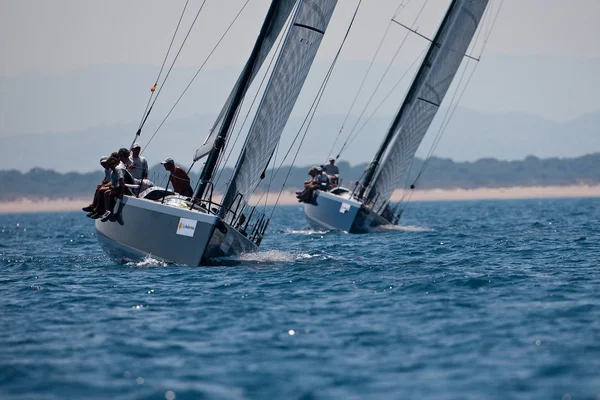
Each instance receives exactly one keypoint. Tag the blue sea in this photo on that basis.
(464, 300)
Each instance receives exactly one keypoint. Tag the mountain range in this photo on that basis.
(512, 109)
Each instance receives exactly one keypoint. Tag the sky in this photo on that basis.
(60, 36)
(58, 56)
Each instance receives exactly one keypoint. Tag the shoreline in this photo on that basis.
(32, 205)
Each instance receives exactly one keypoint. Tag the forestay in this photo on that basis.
(284, 9)
(292, 67)
(427, 92)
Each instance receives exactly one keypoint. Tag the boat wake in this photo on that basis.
(267, 256)
(305, 231)
(264, 257)
(402, 228)
(260, 257)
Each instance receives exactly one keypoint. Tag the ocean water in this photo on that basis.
(465, 300)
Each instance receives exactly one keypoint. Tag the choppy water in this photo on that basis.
(467, 300)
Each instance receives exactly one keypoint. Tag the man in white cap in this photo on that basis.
(179, 178)
(332, 171)
(139, 166)
(331, 168)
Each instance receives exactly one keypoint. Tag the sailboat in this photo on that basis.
(367, 205)
(193, 230)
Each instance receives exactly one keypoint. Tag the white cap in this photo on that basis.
(136, 146)
(168, 160)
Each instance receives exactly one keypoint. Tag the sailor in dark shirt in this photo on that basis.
(179, 178)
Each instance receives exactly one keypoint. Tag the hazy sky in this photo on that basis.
(542, 58)
(59, 36)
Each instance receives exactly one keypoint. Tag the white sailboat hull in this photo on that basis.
(339, 212)
(165, 232)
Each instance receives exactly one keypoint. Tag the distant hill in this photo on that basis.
(440, 173)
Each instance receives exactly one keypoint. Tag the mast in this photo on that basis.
(414, 88)
(245, 78)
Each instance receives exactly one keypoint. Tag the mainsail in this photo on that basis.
(425, 95)
(292, 67)
(283, 11)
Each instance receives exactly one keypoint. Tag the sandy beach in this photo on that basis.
(28, 205)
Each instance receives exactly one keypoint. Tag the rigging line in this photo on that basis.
(163, 63)
(400, 8)
(313, 108)
(310, 115)
(173, 64)
(196, 74)
(360, 87)
(270, 182)
(352, 138)
(220, 159)
(258, 90)
(316, 99)
(492, 26)
(383, 77)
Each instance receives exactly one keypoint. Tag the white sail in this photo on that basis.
(283, 12)
(292, 67)
(430, 87)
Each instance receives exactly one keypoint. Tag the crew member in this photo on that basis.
(179, 178)
(332, 171)
(139, 166)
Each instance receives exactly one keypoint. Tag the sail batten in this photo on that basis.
(423, 100)
(288, 76)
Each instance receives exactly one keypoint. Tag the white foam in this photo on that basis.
(305, 231)
(148, 261)
(403, 228)
(267, 256)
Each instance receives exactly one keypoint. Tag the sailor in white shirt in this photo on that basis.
(332, 171)
(331, 168)
(139, 166)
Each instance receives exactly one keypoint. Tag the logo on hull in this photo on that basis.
(186, 227)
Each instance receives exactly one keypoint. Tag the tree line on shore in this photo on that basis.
(439, 174)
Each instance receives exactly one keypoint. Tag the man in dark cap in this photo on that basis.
(99, 194)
